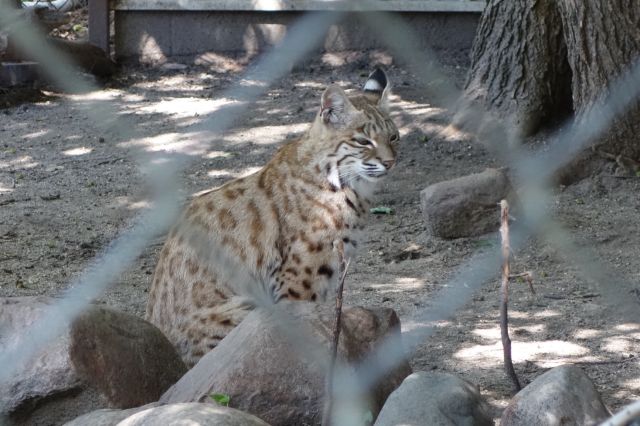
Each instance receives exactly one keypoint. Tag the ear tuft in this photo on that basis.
(377, 88)
(335, 108)
(376, 82)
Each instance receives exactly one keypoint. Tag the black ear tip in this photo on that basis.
(380, 77)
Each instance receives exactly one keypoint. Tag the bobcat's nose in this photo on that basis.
(389, 163)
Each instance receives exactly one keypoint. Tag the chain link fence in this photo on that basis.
(531, 170)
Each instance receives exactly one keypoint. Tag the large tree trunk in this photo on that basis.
(519, 63)
(604, 40)
(538, 60)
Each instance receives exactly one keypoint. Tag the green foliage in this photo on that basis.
(381, 210)
(221, 398)
(483, 243)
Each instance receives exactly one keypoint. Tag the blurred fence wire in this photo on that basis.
(532, 172)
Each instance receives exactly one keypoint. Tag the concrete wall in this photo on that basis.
(148, 36)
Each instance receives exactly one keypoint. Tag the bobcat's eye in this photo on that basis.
(362, 141)
(394, 138)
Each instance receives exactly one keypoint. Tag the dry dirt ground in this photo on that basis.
(67, 189)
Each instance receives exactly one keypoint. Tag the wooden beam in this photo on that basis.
(99, 24)
(474, 6)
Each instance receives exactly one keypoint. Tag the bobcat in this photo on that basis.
(276, 228)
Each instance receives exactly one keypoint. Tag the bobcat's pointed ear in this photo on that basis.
(377, 89)
(336, 109)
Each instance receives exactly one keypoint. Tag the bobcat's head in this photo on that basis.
(358, 139)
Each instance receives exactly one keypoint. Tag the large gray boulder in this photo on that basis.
(271, 364)
(435, 399)
(563, 396)
(47, 387)
(192, 414)
(466, 206)
(125, 357)
(119, 361)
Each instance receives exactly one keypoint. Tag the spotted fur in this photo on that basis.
(275, 231)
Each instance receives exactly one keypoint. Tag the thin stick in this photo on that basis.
(504, 295)
(528, 277)
(344, 267)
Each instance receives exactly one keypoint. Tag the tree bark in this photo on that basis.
(538, 61)
(603, 40)
(519, 63)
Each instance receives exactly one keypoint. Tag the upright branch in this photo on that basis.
(344, 266)
(504, 295)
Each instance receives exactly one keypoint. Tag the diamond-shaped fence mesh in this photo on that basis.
(533, 170)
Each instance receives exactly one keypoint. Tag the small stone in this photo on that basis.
(50, 196)
(173, 66)
(53, 168)
(86, 245)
